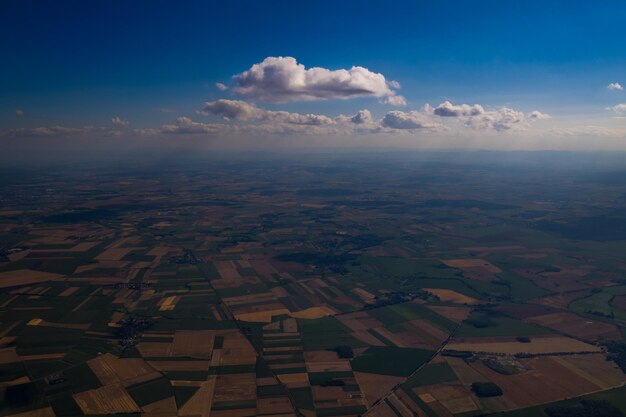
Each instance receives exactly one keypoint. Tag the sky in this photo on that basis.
(283, 74)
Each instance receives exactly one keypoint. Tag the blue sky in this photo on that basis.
(78, 63)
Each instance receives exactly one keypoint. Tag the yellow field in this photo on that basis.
(450, 296)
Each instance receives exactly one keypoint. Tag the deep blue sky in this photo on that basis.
(82, 62)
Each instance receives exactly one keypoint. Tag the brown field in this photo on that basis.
(374, 386)
(111, 370)
(26, 277)
(466, 374)
(471, 263)
(536, 346)
(547, 381)
(577, 326)
(109, 399)
(237, 350)
(594, 368)
(450, 296)
(314, 313)
(154, 349)
(456, 314)
(114, 254)
(235, 387)
(455, 398)
(359, 321)
(365, 295)
(382, 410)
(240, 412)
(8, 355)
(329, 366)
(180, 365)
(320, 356)
(274, 406)
(69, 291)
(262, 316)
(193, 343)
(294, 380)
(367, 338)
(200, 403)
(227, 270)
(40, 412)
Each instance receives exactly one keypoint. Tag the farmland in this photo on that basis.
(246, 288)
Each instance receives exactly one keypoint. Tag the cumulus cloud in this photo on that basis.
(537, 115)
(447, 109)
(221, 86)
(283, 79)
(232, 109)
(362, 117)
(187, 126)
(394, 84)
(244, 111)
(477, 117)
(398, 101)
(407, 120)
(19, 112)
(615, 87)
(116, 121)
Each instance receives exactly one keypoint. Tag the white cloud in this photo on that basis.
(615, 86)
(116, 121)
(283, 79)
(49, 131)
(362, 117)
(232, 109)
(398, 101)
(244, 111)
(19, 112)
(407, 120)
(221, 86)
(537, 115)
(619, 108)
(188, 126)
(476, 117)
(447, 109)
(394, 84)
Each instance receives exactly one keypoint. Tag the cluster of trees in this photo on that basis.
(486, 389)
(344, 351)
(617, 353)
(587, 408)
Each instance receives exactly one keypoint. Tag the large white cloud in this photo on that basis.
(283, 79)
(244, 111)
